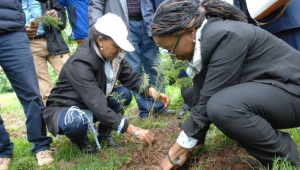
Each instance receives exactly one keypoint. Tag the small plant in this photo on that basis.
(47, 21)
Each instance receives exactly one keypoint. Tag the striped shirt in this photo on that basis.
(134, 7)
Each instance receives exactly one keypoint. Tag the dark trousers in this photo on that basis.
(144, 57)
(17, 62)
(77, 130)
(252, 113)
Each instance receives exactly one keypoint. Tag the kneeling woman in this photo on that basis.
(246, 81)
(85, 83)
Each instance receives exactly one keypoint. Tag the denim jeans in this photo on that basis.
(17, 62)
(76, 130)
(144, 56)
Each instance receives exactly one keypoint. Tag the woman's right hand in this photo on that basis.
(146, 136)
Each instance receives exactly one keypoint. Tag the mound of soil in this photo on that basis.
(146, 158)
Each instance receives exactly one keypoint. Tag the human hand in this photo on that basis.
(52, 13)
(31, 31)
(146, 136)
(164, 99)
(161, 98)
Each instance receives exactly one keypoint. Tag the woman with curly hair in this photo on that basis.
(247, 80)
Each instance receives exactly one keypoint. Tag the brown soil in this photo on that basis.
(145, 158)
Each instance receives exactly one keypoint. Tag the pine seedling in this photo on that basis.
(48, 21)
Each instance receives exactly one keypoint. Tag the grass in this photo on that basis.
(68, 156)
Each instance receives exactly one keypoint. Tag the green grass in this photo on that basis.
(73, 158)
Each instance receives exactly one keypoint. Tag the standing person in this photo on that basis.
(46, 43)
(286, 27)
(84, 94)
(248, 80)
(137, 15)
(17, 62)
(78, 18)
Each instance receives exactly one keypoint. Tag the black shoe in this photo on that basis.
(109, 142)
(167, 112)
(87, 148)
(181, 114)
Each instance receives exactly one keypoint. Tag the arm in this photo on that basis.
(96, 10)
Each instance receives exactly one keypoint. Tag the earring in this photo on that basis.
(194, 40)
(101, 48)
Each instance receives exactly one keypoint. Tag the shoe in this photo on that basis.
(87, 148)
(44, 158)
(181, 114)
(167, 112)
(109, 142)
(4, 163)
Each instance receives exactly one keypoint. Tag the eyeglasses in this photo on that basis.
(171, 53)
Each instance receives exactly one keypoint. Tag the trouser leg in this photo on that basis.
(117, 106)
(252, 113)
(144, 47)
(6, 146)
(17, 62)
(40, 53)
(74, 126)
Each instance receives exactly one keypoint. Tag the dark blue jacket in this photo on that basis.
(12, 17)
(78, 17)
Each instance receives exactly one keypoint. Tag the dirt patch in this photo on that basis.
(63, 165)
(233, 157)
(145, 158)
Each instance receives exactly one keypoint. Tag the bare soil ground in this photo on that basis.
(146, 158)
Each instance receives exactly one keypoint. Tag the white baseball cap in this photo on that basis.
(114, 27)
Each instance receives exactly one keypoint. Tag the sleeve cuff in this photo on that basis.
(187, 142)
(125, 126)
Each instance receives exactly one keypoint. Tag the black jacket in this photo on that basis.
(55, 42)
(234, 53)
(12, 17)
(82, 83)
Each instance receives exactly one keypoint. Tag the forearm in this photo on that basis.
(176, 151)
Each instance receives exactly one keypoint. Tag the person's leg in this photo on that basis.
(251, 113)
(189, 98)
(118, 103)
(135, 60)
(40, 53)
(6, 146)
(124, 98)
(73, 123)
(149, 54)
(17, 62)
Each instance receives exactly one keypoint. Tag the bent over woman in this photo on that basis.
(82, 93)
(247, 80)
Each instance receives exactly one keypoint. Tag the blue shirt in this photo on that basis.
(33, 9)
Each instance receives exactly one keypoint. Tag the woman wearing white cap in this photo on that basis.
(85, 83)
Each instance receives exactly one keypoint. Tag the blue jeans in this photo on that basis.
(17, 62)
(76, 131)
(145, 55)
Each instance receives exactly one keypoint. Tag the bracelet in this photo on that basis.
(171, 160)
(137, 132)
